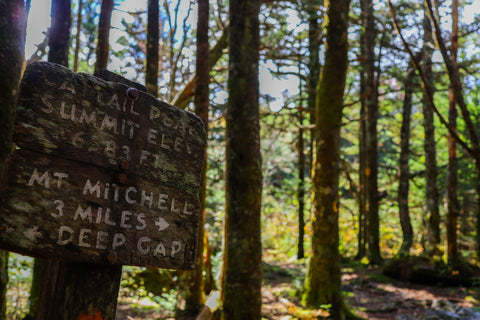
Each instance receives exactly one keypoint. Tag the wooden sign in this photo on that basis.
(82, 118)
(105, 173)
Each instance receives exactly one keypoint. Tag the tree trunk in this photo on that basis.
(301, 188)
(3, 283)
(432, 195)
(362, 208)
(404, 176)
(457, 89)
(77, 35)
(323, 281)
(36, 288)
(153, 38)
(242, 274)
(194, 289)
(472, 147)
(104, 35)
(60, 32)
(314, 40)
(453, 208)
(371, 142)
(478, 215)
(12, 46)
(362, 155)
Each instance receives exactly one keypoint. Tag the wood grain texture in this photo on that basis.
(83, 118)
(124, 191)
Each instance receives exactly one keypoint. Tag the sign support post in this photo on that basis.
(79, 291)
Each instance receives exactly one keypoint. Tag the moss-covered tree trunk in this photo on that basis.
(103, 46)
(431, 195)
(404, 169)
(12, 20)
(153, 38)
(323, 281)
(194, 280)
(242, 274)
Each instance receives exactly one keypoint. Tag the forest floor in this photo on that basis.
(367, 292)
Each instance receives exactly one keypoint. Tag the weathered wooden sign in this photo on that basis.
(105, 173)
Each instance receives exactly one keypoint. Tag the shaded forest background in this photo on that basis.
(408, 159)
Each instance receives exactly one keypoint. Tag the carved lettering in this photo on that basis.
(44, 179)
(83, 214)
(62, 232)
(88, 188)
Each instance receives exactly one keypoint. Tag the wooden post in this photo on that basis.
(79, 291)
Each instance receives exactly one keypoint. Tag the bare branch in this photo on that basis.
(426, 88)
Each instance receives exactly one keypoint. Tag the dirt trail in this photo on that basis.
(367, 292)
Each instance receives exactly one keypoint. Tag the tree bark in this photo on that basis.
(103, 45)
(371, 142)
(301, 188)
(194, 292)
(404, 176)
(362, 154)
(36, 288)
(323, 281)
(453, 208)
(60, 32)
(432, 195)
(153, 38)
(3, 283)
(478, 215)
(77, 35)
(242, 273)
(12, 46)
(314, 67)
